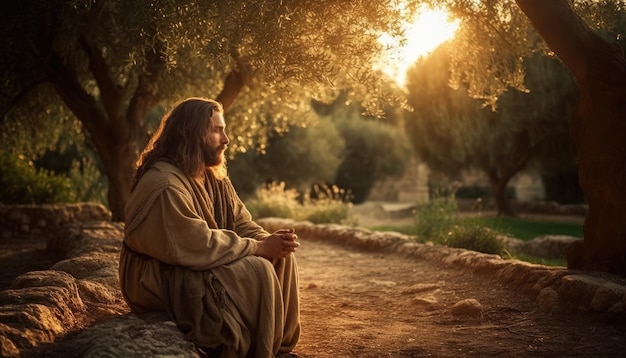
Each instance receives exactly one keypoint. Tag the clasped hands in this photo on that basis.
(279, 244)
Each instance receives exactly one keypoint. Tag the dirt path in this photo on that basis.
(357, 304)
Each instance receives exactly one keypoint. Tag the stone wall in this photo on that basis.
(20, 220)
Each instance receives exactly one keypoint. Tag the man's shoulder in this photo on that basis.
(163, 174)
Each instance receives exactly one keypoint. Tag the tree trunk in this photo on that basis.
(119, 165)
(597, 126)
(234, 83)
(498, 187)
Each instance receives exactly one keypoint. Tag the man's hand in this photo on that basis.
(279, 244)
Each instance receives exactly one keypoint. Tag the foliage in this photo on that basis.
(275, 200)
(495, 38)
(528, 229)
(108, 63)
(327, 204)
(26, 182)
(53, 149)
(434, 219)
(474, 237)
(87, 180)
(343, 147)
(374, 150)
(453, 134)
(438, 222)
(293, 50)
(301, 157)
(22, 183)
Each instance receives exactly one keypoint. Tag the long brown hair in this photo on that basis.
(180, 137)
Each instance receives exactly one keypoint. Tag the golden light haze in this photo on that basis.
(428, 29)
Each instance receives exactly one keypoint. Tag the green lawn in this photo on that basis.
(524, 229)
(527, 229)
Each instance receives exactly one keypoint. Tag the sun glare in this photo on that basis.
(429, 29)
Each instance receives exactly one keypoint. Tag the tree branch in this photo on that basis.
(234, 82)
(83, 106)
(109, 93)
(572, 40)
(146, 93)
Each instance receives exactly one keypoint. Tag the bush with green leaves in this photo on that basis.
(474, 237)
(22, 183)
(275, 200)
(433, 220)
(375, 150)
(438, 222)
(328, 204)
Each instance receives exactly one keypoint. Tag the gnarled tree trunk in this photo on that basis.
(499, 184)
(598, 127)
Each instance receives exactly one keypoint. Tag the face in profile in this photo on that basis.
(216, 141)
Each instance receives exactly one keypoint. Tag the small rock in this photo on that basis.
(421, 287)
(548, 300)
(426, 301)
(468, 308)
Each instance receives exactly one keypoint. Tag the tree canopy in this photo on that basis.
(454, 133)
(108, 63)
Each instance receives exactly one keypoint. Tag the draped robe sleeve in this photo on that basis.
(169, 219)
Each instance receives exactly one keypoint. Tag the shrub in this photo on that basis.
(274, 200)
(438, 222)
(22, 183)
(474, 237)
(326, 204)
(433, 220)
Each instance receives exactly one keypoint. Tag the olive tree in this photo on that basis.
(108, 63)
(454, 133)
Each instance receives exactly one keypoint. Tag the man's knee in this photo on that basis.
(260, 264)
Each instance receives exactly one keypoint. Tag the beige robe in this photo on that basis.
(189, 250)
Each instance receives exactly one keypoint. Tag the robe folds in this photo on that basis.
(189, 250)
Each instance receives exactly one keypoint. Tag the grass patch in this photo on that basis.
(439, 222)
(539, 260)
(523, 229)
(527, 229)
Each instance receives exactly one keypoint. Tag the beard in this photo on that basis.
(215, 160)
(214, 157)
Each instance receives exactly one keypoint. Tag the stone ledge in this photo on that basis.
(20, 220)
(40, 306)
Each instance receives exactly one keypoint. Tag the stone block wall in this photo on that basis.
(24, 220)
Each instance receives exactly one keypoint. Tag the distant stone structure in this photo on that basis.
(413, 186)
